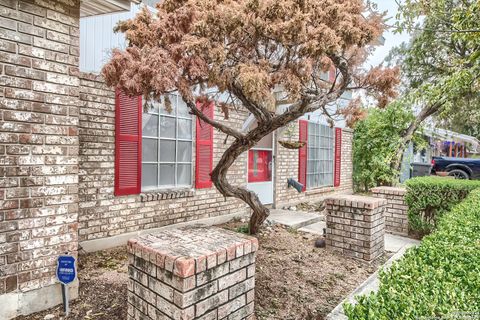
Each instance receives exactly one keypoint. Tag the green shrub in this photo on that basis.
(439, 278)
(375, 142)
(428, 198)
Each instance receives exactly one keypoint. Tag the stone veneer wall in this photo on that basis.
(356, 226)
(192, 273)
(39, 107)
(103, 215)
(287, 167)
(396, 215)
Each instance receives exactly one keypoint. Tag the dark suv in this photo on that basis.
(460, 168)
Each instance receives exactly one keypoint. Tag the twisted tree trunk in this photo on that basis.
(243, 144)
(267, 123)
(219, 178)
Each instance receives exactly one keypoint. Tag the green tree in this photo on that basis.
(375, 143)
(441, 65)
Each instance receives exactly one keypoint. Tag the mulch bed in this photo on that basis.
(294, 279)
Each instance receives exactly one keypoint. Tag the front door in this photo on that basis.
(260, 169)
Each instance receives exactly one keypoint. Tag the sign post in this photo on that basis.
(66, 273)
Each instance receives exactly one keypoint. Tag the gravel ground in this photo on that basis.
(294, 280)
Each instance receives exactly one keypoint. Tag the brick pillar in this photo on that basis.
(39, 101)
(396, 211)
(192, 273)
(356, 226)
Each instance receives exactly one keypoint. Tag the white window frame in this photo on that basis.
(173, 115)
(320, 156)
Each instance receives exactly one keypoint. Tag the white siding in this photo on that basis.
(97, 38)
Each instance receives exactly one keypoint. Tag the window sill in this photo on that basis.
(319, 190)
(166, 194)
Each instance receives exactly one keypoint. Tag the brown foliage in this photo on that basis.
(241, 52)
(252, 45)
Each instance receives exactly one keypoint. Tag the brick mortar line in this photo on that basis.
(148, 303)
(196, 287)
(196, 301)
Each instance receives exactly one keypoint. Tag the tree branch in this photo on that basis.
(261, 114)
(225, 129)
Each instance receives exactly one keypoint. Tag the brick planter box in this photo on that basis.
(356, 226)
(396, 216)
(192, 273)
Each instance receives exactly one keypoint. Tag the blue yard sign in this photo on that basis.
(66, 272)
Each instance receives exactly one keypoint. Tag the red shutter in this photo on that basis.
(128, 144)
(302, 154)
(338, 157)
(204, 149)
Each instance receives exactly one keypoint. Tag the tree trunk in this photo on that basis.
(244, 143)
(219, 178)
(240, 145)
(410, 131)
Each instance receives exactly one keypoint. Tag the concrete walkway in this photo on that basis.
(293, 219)
(394, 243)
(314, 223)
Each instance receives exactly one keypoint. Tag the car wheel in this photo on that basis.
(459, 174)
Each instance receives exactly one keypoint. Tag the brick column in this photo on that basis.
(192, 273)
(396, 215)
(356, 226)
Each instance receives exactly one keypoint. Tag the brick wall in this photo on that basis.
(287, 167)
(396, 215)
(102, 214)
(39, 104)
(205, 273)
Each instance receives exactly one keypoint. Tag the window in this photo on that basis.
(320, 155)
(167, 146)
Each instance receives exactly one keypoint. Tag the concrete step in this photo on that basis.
(315, 228)
(293, 219)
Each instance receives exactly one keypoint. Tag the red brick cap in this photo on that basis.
(390, 190)
(190, 250)
(356, 201)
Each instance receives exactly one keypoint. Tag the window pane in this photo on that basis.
(167, 127)
(150, 125)
(167, 175)
(149, 150)
(149, 176)
(153, 106)
(184, 174)
(173, 101)
(184, 129)
(184, 151)
(167, 150)
(183, 110)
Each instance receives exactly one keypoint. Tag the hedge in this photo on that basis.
(428, 198)
(440, 277)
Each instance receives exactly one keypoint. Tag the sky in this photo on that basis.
(391, 39)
